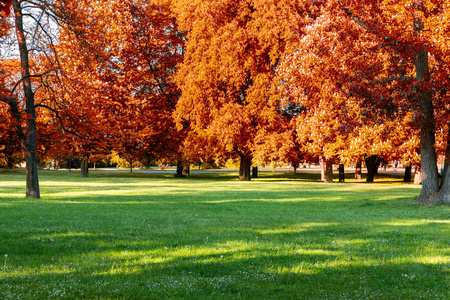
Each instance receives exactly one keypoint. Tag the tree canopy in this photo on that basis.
(258, 81)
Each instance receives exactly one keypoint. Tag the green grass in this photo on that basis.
(282, 236)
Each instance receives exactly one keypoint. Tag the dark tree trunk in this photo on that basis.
(377, 165)
(255, 172)
(179, 172)
(186, 168)
(425, 117)
(244, 168)
(183, 168)
(407, 177)
(341, 173)
(371, 164)
(9, 162)
(358, 170)
(29, 143)
(328, 170)
(84, 168)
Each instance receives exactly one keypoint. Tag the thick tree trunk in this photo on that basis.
(255, 172)
(183, 168)
(358, 170)
(425, 116)
(341, 173)
(244, 168)
(328, 170)
(407, 177)
(84, 168)
(29, 143)
(371, 165)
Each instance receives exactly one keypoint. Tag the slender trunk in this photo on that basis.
(371, 164)
(131, 165)
(255, 172)
(29, 144)
(322, 168)
(417, 175)
(341, 173)
(444, 192)
(358, 170)
(84, 168)
(9, 162)
(244, 168)
(328, 170)
(407, 177)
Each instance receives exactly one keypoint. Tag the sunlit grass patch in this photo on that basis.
(148, 236)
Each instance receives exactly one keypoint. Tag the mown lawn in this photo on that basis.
(145, 236)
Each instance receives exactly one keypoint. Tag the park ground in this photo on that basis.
(117, 235)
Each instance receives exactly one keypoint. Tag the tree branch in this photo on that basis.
(390, 79)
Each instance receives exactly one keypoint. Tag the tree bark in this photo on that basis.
(358, 170)
(425, 117)
(85, 168)
(328, 170)
(407, 177)
(183, 168)
(322, 168)
(371, 164)
(29, 144)
(9, 162)
(341, 173)
(444, 192)
(244, 168)
(255, 172)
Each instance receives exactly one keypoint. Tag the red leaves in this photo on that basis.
(5, 6)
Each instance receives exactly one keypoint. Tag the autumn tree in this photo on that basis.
(410, 32)
(378, 55)
(227, 76)
(118, 93)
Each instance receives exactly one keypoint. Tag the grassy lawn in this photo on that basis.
(147, 236)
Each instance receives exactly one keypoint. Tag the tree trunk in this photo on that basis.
(255, 172)
(407, 177)
(341, 173)
(186, 168)
(425, 116)
(244, 168)
(371, 164)
(183, 168)
(29, 144)
(417, 175)
(9, 162)
(322, 168)
(328, 170)
(179, 172)
(84, 168)
(444, 192)
(358, 170)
